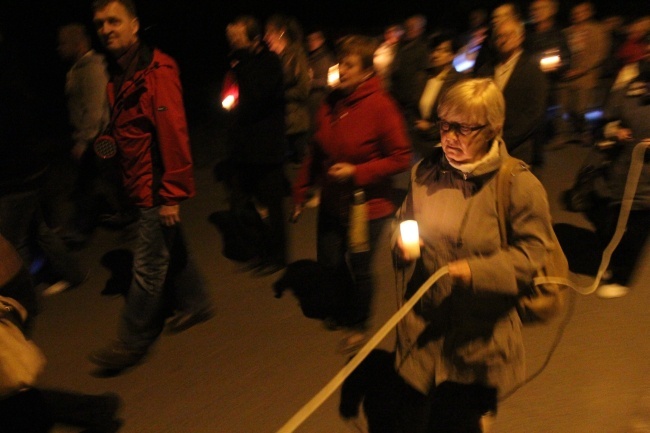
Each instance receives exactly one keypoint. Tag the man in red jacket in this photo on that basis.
(149, 129)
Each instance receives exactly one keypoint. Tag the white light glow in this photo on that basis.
(410, 238)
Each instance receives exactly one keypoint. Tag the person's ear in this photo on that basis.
(136, 26)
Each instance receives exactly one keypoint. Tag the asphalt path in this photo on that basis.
(254, 365)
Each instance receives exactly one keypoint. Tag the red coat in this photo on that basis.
(365, 129)
(150, 128)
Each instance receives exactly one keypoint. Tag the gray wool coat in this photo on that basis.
(470, 334)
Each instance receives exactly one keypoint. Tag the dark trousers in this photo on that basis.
(22, 223)
(449, 408)
(25, 412)
(164, 277)
(333, 255)
(629, 250)
(265, 183)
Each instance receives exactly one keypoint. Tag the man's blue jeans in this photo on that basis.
(164, 278)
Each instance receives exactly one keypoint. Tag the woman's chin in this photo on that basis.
(455, 158)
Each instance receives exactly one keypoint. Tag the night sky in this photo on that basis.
(192, 31)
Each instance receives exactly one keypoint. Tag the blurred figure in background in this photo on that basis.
(632, 52)
(385, 53)
(408, 71)
(359, 144)
(487, 52)
(96, 189)
(320, 60)
(547, 44)
(25, 157)
(284, 37)
(627, 111)
(256, 135)
(523, 85)
(589, 44)
(442, 75)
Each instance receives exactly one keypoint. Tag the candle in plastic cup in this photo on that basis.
(410, 238)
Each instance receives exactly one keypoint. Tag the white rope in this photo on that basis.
(337, 380)
(634, 173)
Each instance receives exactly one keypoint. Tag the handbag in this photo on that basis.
(21, 361)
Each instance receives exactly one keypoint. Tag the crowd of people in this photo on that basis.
(330, 124)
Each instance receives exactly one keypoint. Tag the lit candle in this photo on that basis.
(333, 76)
(410, 238)
(550, 60)
(228, 102)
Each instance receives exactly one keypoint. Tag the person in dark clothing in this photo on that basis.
(627, 110)
(24, 161)
(408, 72)
(256, 139)
(320, 60)
(441, 76)
(283, 36)
(547, 44)
(487, 52)
(33, 409)
(523, 85)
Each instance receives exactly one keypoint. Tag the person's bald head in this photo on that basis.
(73, 41)
(503, 12)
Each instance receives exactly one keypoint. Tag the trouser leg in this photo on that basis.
(144, 314)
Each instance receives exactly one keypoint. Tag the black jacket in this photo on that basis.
(256, 124)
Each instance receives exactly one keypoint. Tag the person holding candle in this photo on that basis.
(461, 347)
(360, 142)
(255, 142)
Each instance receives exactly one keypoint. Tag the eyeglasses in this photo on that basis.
(459, 128)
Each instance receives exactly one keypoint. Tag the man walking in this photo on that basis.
(149, 129)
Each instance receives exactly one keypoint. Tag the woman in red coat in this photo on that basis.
(359, 143)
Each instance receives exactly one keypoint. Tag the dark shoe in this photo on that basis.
(116, 356)
(95, 413)
(182, 321)
(352, 342)
(252, 265)
(119, 219)
(269, 269)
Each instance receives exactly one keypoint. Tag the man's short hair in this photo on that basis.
(129, 5)
(518, 24)
(360, 45)
(77, 31)
(438, 38)
(252, 26)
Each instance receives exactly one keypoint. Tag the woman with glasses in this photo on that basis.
(461, 347)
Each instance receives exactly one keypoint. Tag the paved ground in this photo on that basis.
(260, 360)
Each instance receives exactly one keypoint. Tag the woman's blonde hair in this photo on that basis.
(478, 100)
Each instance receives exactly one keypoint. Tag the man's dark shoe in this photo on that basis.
(182, 321)
(116, 356)
(269, 269)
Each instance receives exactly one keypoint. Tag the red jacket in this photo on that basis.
(148, 122)
(365, 129)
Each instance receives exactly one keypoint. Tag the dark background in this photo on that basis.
(192, 31)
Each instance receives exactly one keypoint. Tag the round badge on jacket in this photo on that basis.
(105, 147)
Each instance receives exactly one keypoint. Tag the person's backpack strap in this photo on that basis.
(504, 178)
